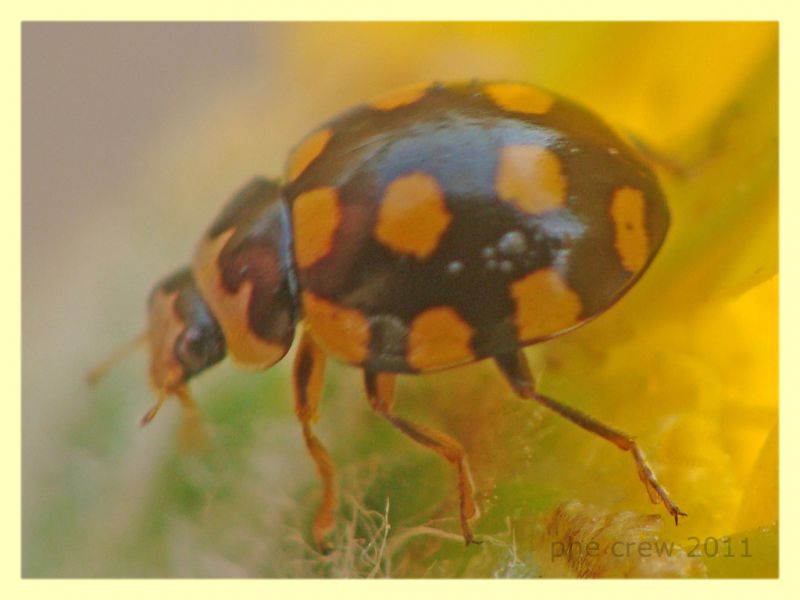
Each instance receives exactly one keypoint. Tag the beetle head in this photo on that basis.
(183, 335)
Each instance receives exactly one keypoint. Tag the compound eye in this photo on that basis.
(195, 352)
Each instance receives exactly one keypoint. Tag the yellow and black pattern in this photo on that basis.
(243, 269)
(441, 224)
(430, 227)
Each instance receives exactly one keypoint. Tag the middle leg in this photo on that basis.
(380, 392)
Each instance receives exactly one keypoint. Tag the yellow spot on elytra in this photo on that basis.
(400, 97)
(315, 216)
(545, 304)
(341, 332)
(231, 310)
(438, 337)
(413, 215)
(517, 97)
(305, 153)
(630, 231)
(529, 176)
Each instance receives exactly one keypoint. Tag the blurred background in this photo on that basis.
(134, 137)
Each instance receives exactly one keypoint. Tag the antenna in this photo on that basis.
(100, 370)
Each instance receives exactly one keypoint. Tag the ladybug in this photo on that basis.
(441, 224)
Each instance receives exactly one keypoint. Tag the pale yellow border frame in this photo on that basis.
(785, 11)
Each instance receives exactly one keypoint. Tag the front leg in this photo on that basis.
(308, 372)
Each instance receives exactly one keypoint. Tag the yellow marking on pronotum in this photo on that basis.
(231, 310)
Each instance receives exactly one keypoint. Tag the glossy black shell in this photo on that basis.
(455, 134)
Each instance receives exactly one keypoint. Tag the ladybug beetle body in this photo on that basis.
(437, 225)
(443, 224)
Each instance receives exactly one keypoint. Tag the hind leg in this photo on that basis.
(515, 369)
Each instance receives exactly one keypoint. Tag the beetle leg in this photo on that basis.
(515, 369)
(656, 157)
(193, 434)
(380, 393)
(308, 371)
